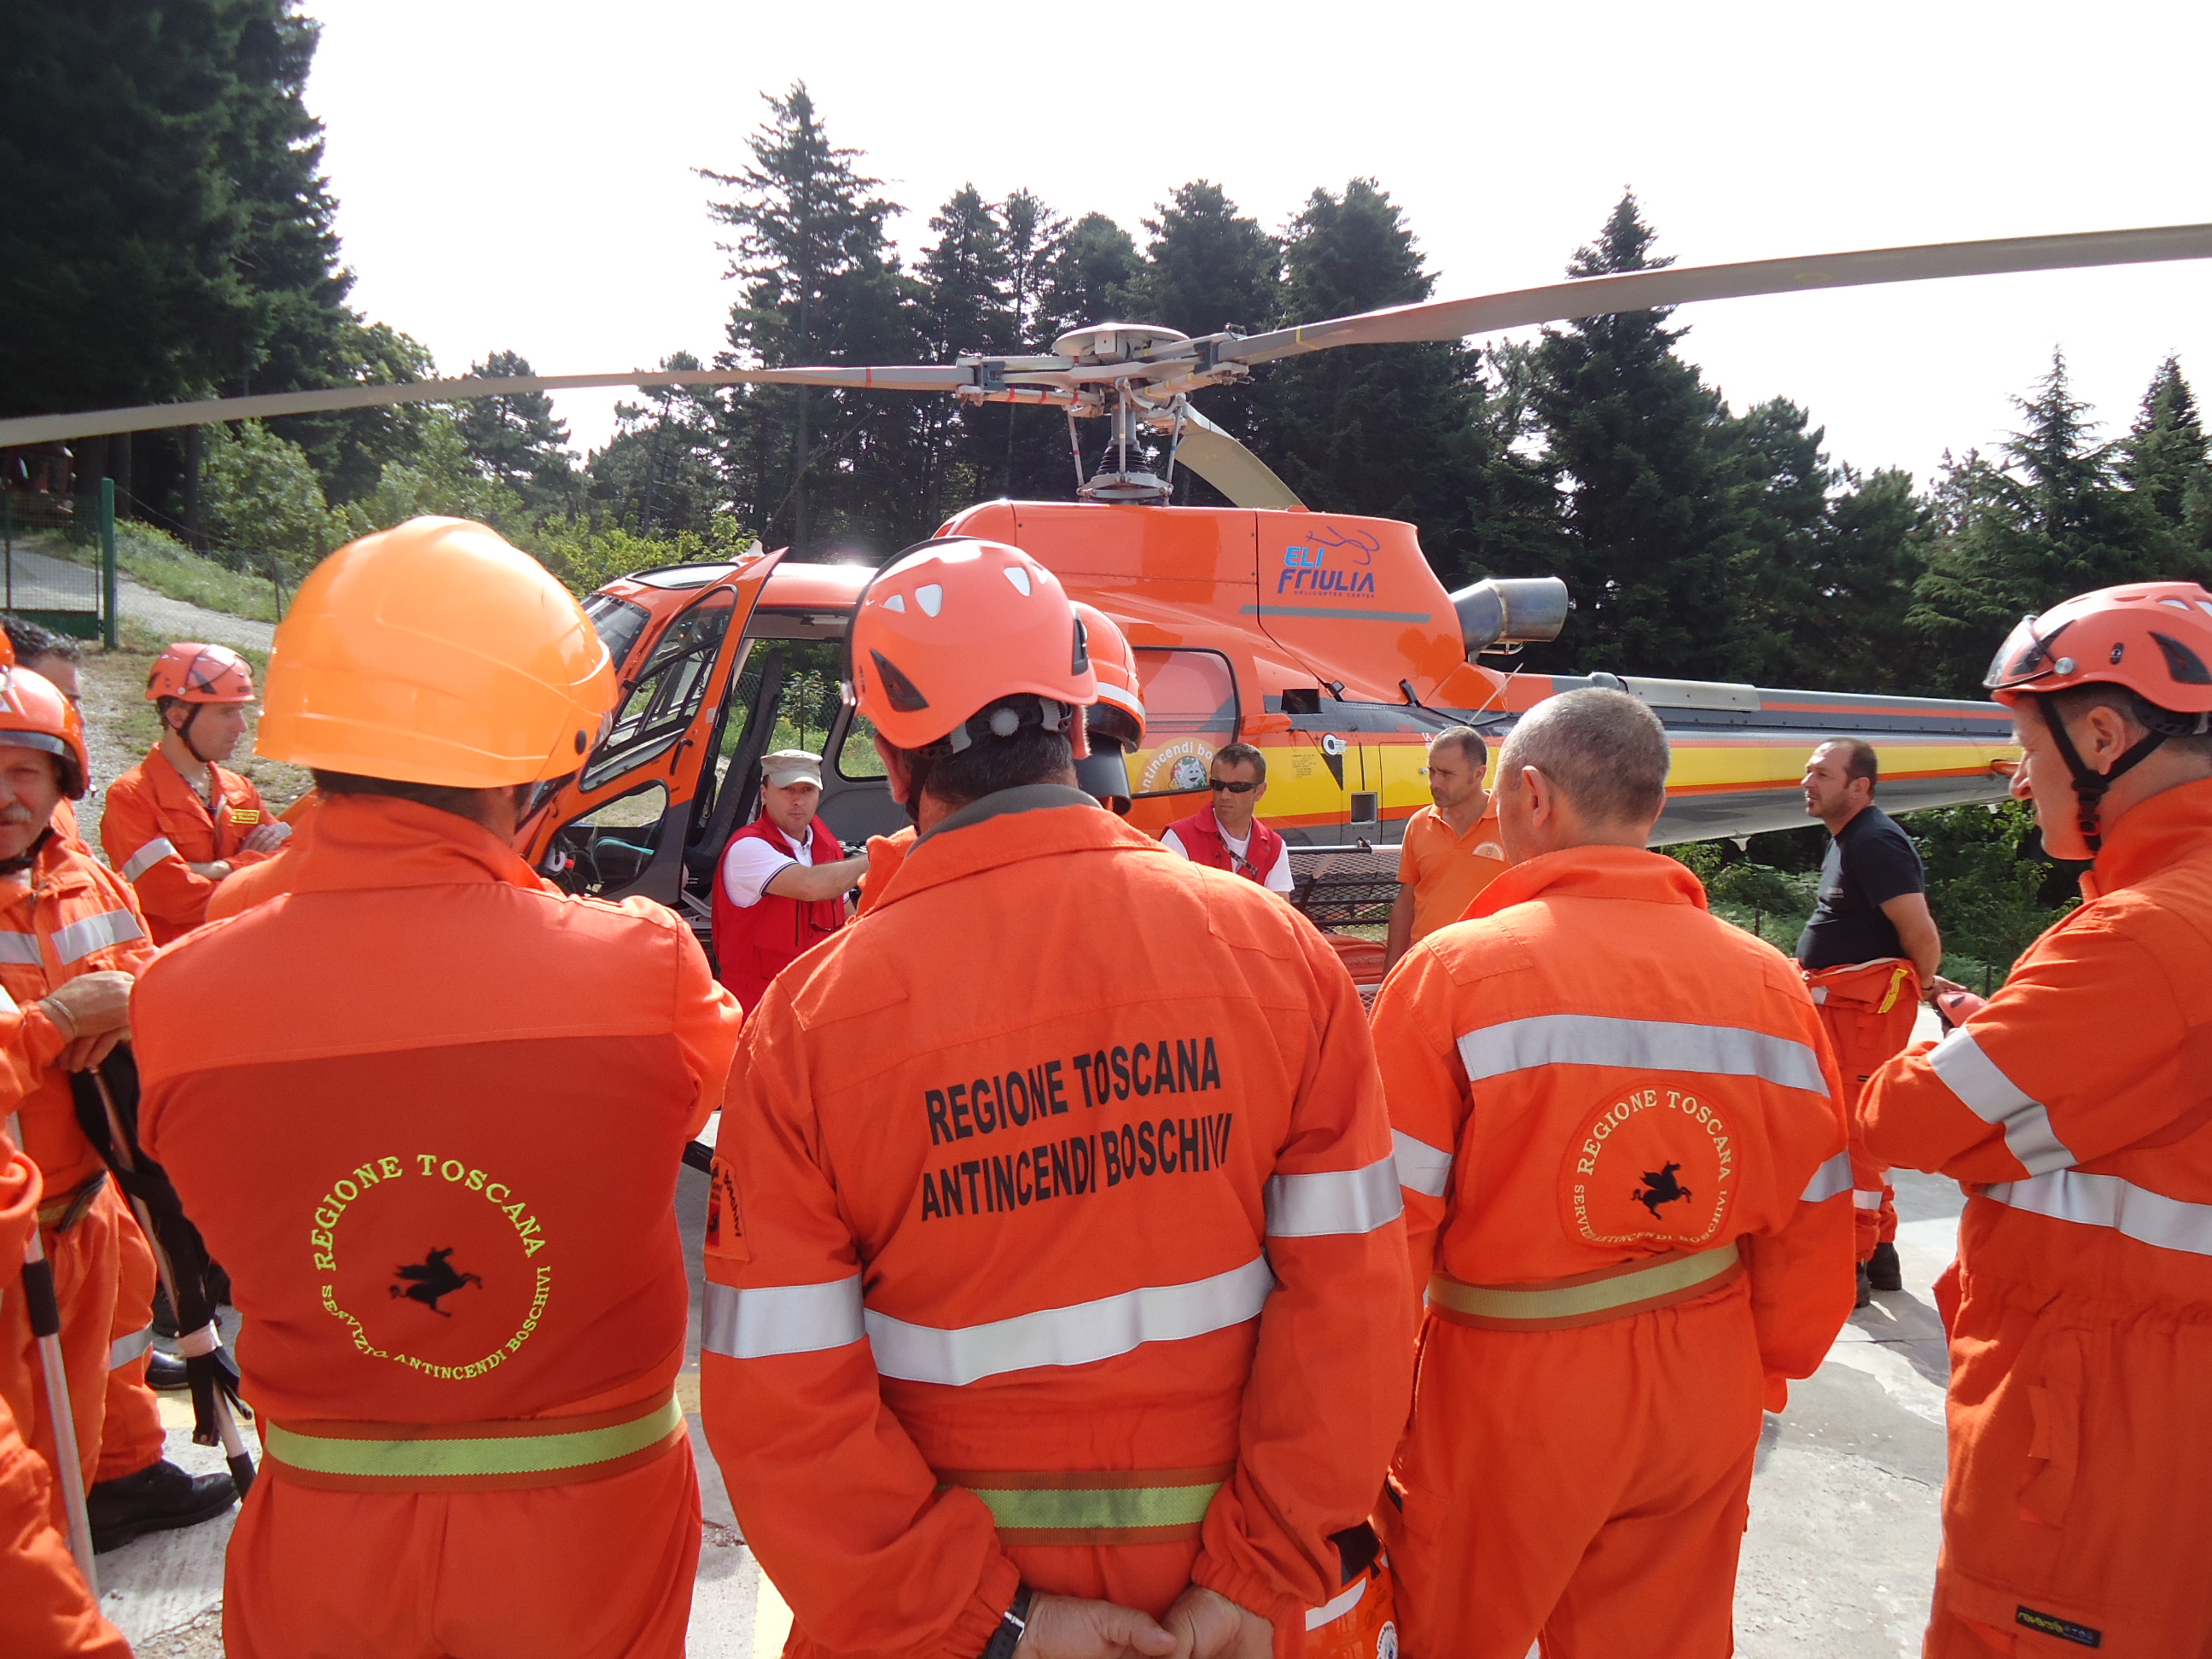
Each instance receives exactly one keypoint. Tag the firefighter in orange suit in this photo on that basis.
(1870, 946)
(2073, 1106)
(1056, 1287)
(246, 886)
(70, 940)
(1112, 728)
(56, 659)
(178, 821)
(1622, 1146)
(45, 1610)
(461, 1286)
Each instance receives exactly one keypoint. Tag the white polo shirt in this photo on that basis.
(1276, 878)
(748, 864)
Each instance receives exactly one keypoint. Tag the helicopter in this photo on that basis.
(1325, 639)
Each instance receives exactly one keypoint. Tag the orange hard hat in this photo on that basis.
(1116, 666)
(434, 653)
(951, 627)
(2153, 639)
(33, 714)
(192, 672)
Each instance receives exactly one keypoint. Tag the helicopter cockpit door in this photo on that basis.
(620, 826)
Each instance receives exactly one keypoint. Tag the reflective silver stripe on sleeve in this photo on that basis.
(1337, 1202)
(1421, 1168)
(1075, 1335)
(2102, 1200)
(20, 948)
(147, 856)
(1519, 1045)
(761, 1322)
(81, 939)
(124, 1349)
(1996, 1099)
(1831, 1178)
(1820, 993)
(1866, 1200)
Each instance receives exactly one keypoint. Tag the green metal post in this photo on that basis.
(107, 623)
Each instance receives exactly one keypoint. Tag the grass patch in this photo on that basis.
(160, 561)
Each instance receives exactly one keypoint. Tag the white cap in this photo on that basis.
(791, 766)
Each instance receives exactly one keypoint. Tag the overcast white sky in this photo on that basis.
(518, 175)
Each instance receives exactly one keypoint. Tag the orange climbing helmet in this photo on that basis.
(1116, 668)
(951, 627)
(191, 672)
(2153, 639)
(434, 653)
(33, 714)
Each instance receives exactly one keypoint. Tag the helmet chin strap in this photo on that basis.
(2089, 785)
(185, 734)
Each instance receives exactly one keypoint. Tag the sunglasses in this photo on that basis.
(1219, 784)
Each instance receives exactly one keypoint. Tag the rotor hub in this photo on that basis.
(1114, 343)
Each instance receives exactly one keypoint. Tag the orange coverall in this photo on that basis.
(462, 1292)
(1053, 1251)
(76, 916)
(156, 825)
(1868, 1009)
(886, 854)
(1622, 1146)
(2074, 1105)
(45, 1610)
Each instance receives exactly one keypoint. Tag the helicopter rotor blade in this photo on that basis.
(1226, 463)
(1643, 291)
(148, 417)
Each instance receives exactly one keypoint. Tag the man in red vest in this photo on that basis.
(1228, 836)
(783, 880)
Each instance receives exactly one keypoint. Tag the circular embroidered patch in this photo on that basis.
(1652, 1165)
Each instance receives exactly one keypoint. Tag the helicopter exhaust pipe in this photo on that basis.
(1502, 611)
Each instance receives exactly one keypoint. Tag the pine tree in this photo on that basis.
(1088, 273)
(1383, 431)
(515, 437)
(1032, 445)
(658, 474)
(1206, 268)
(2054, 520)
(1652, 544)
(967, 308)
(2163, 459)
(818, 273)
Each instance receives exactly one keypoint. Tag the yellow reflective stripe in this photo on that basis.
(1568, 1301)
(418, 1459)
(1096, 1508)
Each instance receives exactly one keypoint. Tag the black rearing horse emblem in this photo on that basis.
(1659, 1188)
(434, 1277)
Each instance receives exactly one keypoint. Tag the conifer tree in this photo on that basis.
(967, 307)
(2055, 519)
(516, 439)
(1383, 431)
(657, 475)
(818, 274)
(1652, 545)
(2163, 459)
(1088, 272)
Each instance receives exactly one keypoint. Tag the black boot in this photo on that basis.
(166, 1372)
(155, 1500)
(1865, 1291)
(1885, 1272)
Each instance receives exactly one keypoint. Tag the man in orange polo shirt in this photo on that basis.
(1452, 850)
